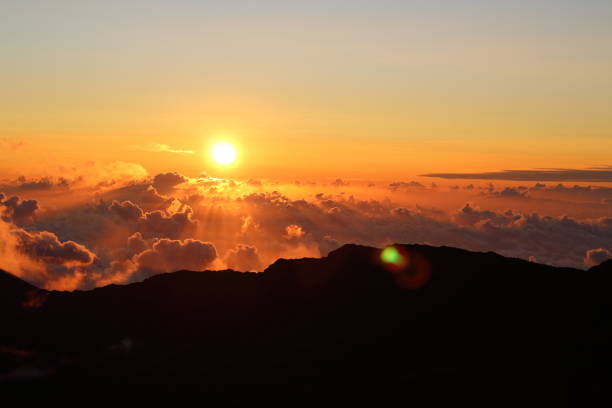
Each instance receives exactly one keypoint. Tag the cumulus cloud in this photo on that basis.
(167, 255)
(126, 210)
(165, 183)
(42, 258)
(469, 215)
(173, 222)
(46, 247)
(18, 210)
(158, 223)
(596, 256)
(243, 258)
(513, 192)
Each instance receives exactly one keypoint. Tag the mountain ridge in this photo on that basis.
(341, 251)
(344, 322)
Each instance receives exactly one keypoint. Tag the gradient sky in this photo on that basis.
(354, 89)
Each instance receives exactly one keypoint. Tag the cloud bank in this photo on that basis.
(81, 231)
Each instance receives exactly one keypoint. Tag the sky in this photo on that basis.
(365, 89)
(479, 124)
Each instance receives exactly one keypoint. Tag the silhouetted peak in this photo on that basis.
(605, 266)
(12, 282)
(350, 249)
(14, 292)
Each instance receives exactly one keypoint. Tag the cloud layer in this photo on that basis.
(81, 231)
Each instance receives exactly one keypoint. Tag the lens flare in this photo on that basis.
(392, 256)
(410, 270)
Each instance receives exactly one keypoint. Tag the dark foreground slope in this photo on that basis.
(452, 325)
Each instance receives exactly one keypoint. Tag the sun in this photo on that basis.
(223, 153)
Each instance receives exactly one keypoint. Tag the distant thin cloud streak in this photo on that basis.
(161, 147)
(596, 174)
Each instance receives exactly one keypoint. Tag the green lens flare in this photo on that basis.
(391, 255)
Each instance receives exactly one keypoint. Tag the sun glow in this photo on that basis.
(223, 153)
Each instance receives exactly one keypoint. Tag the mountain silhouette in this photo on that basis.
(450, 325)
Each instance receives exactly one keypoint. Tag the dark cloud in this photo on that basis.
(165, 182)
(514, 192)
(18, 210)
(403, 185)
(136, 244)
(46, 247)
(167, 255)
(126, 210)
(44, 183)
(472, 216)
(599, 174)
(599, 193)
(160, 224)
(594, 257)
(142, 194)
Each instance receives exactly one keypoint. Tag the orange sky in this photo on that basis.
(348, 89)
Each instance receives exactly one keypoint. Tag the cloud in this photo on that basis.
(169, 223)
(339, 183)
(126, 210)
(294, 231)
(596, 193)
(43, 259)
(469, 215)
(102, 176)
(512, 192)
(165, 182)
(44, 183)
(136, 244)
(168, 255)
(599, 174)
(18, 210)
(594, 257)
(92, 176)
(125, 228)
(243, 258)
(161, 147)
(45, 246)
(402, 185)
(159, 224)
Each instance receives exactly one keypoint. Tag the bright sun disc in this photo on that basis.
(223, 153)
